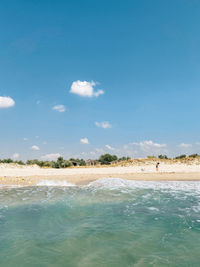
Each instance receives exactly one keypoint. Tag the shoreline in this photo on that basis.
(84, 179)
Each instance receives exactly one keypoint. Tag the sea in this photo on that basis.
(110, 222)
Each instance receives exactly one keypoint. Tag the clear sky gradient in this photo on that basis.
(143, 55)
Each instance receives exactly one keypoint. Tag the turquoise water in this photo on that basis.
(111, 222)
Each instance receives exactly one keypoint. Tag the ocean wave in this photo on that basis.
(2, 186)
(118, 183)
(54, 183)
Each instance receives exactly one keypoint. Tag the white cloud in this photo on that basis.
(103, 124)
(25, 139)
(15, 156)
(84, 141)
(44, 143)
(109, 147)
(36, 148)
(52, 156)
(59, 108)
(6, 102)
(86, 89)
(183, 145)
(151, 144)
(148, 144)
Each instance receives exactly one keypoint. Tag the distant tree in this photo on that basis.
(162, 157)
(35, 162)
(107, 159)
(124, 158)
(20, 162)
(6, 160)
(74, 162)
(77, 162)
(82, 162)
(67, 163)
(55, 164)
(193, 155)
(60, 162)
(48, 164)
(181, 156)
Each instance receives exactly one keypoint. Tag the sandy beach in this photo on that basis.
(32, 175)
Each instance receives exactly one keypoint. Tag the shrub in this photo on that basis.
(107, 159)
(77, 162)
(67, 163)
(124, 158)
(181, 157)
(162, 157)
(193, 155)
(20, 162)
(6, 160)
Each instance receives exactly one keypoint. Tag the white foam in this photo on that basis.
(54, 183)
(117, 183)
(2, 186)
(153, 209)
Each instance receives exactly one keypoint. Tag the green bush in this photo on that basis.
(124, 158)
(6, 160)
(181, 157)
(67, 163)
(193, 155)
(162, 157)
(106, 159)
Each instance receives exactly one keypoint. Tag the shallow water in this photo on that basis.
(110, 222)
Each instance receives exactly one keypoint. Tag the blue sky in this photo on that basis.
(133, 65)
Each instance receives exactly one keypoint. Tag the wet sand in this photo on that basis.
(83, 179)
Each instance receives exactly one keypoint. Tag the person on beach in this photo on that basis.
(157, 165)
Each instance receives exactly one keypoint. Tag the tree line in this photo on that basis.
(105, 159)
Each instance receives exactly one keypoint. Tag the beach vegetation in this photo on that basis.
(162, 157)
(181, 156)
(77, 162)
(106, 159)
(67, 163)
(20, 162)
(193, 156)
(124, 158)
(6, 160)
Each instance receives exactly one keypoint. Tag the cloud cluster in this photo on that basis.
(183, 145)
(36, 148)
(84, 141)
(103, 124)
(6, 102)
(148, 144)
(52, 156)
(59, 108)
(109, 147)
(85, 89)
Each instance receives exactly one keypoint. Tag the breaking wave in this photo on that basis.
(117, 183)
(54, 183)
